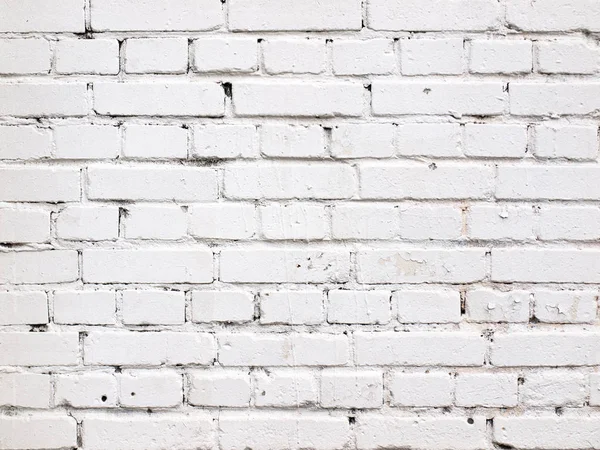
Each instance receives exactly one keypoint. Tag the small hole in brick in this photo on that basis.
(470, 421)
(351, 420)
(133, 394)
(104, 398)
(521, 380)
(263, 393)
(558, 411)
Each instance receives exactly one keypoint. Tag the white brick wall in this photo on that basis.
(279, 224)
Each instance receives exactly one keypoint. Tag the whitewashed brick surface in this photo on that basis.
(307, 225)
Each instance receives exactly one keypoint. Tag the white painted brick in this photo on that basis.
(365, 221)
(421, 266)
(294, 349)
(397, 98)
(288, 15)
(547, 432)
(315, 430)
(282, 55)
(419, 348)
(24, 56)
(86, 390)
(566, 141)
(27, 390)
(495, 141)
(24, 225)
(497, 390)
(148, 266)
(373, 56)
(32, 431)
(570, 222)
(154, 222)
(37, 267)
(506, 221)
(148, 98)
(229, 388)
(554, 15)
(431, 56)
(293, 221)
(421, 389)
(363, 141)
(554, 388)
(84, 307)
(148, 432)
(427, 306)
(146, 388)
(297, 98)
(88, 223)
(222, 306)
(292, 141)
(18, 308)
(285, 387)
(360, 307)
(86, 142)
(545, 349)
(24, 16)
(429, 139)
(225, 55)
(132, 348)
(594, 380)
(544, 99)
(153, 307)
(155, 141)
(500, 56)
(568, 56)
(430, 222)
(566, 306)
(24, 142)
(156, 55)
(419, 181)
(488, 305)
(432, 15)
(39, 184)
(351, 388)
(38, 349)
(224, 141)
(223, 221)
(282, 265)
(151, 183)
(90, 56)
(291, 307)
(179, 15)
(375, 430)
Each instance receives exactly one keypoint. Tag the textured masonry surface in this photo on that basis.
(278, 224)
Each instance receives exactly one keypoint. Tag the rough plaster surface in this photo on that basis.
(278, 224)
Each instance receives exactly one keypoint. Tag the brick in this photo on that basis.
(31, 431)
(501, 221)
(292, 141)
(351, 388)
(88, 223)
(154, 222)
(495, 141)
(282, 55)
(363, 141)
(156, 55)
(281, 265)
(431, 56)
(294, 221)
(22, 308)
(310, 15)
(294, 98)
(487, 305)
(222, 306)
(360, 307)
(225, 55)
(569, 222)
(291, 307)
(421, 389)
(537, 99)
(566, 141)
(565, 306)
(500, 56)
(594, 381)
(38, 349)
(24, 225)
(568, 56)
(296, 349)
(427, 306)
(498, 390)
(229, 388)
(87, 390)
(285, 387)
(223, 221)
(179, 15)
(419, 348)
(90, 56)
(430, 222)
(146, 98)
(155, 141)
(421, 266)
(554, 15)
(147, 266)
(43, 99)
(12, 52)
(151, 183)
(373, 56)
(86, 142)
(365, 221)
(24, 142)
(554, 388)
(23, 16)
(26, 390)
(224, 141)
(84, 307)
(153, 307)
(38, 267)
(39, 184)
(148, 388)
(130, 348)
(426, 139)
